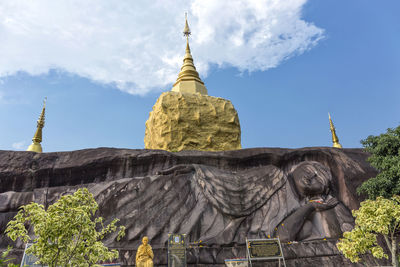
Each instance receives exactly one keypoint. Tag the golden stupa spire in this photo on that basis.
(188, 78)
(335, 139)
(37, 138)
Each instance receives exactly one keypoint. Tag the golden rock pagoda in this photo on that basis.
(335, 139)
(37, 138)
(187, 118)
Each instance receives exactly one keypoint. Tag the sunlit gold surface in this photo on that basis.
(182, 121)
(188, 78)
(335, 139)
(37, 138)
(144, 254)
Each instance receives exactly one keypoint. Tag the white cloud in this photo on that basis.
(138, 45)
(19, 145)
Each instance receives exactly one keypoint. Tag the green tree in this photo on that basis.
(380, 217)
(385, 157)
(4, 261)
(67, 234)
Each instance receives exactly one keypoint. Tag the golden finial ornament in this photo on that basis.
(335, 139)
(37, 138)
(186, 30)
(188, 78)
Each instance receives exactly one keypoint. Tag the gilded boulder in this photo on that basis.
(183, 121)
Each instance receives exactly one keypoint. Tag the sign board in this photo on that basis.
(28, 260)
(264, 249)
(176, 250)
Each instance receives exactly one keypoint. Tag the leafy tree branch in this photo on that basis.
(380, 217)
(66, 233)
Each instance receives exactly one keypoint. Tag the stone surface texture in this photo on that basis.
(183, 121)
(216, 198)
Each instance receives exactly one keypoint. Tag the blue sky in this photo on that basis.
(345, 59)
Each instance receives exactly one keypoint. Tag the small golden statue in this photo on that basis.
(144, 254)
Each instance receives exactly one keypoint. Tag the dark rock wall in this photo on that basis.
(219, 198)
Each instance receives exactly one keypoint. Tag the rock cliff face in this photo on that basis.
(219, 198)
(183, 121)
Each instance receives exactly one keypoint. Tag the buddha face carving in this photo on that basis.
(145, 240)
(311, 179)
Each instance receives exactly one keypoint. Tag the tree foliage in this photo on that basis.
(380, 217)
(385, 157)
(5, 261)
(67, 234)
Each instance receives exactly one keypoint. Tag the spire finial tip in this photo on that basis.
(186, 30)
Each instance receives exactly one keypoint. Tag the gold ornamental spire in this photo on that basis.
(186, 30)
(188, 78)
(335, 139)
(37, 138)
